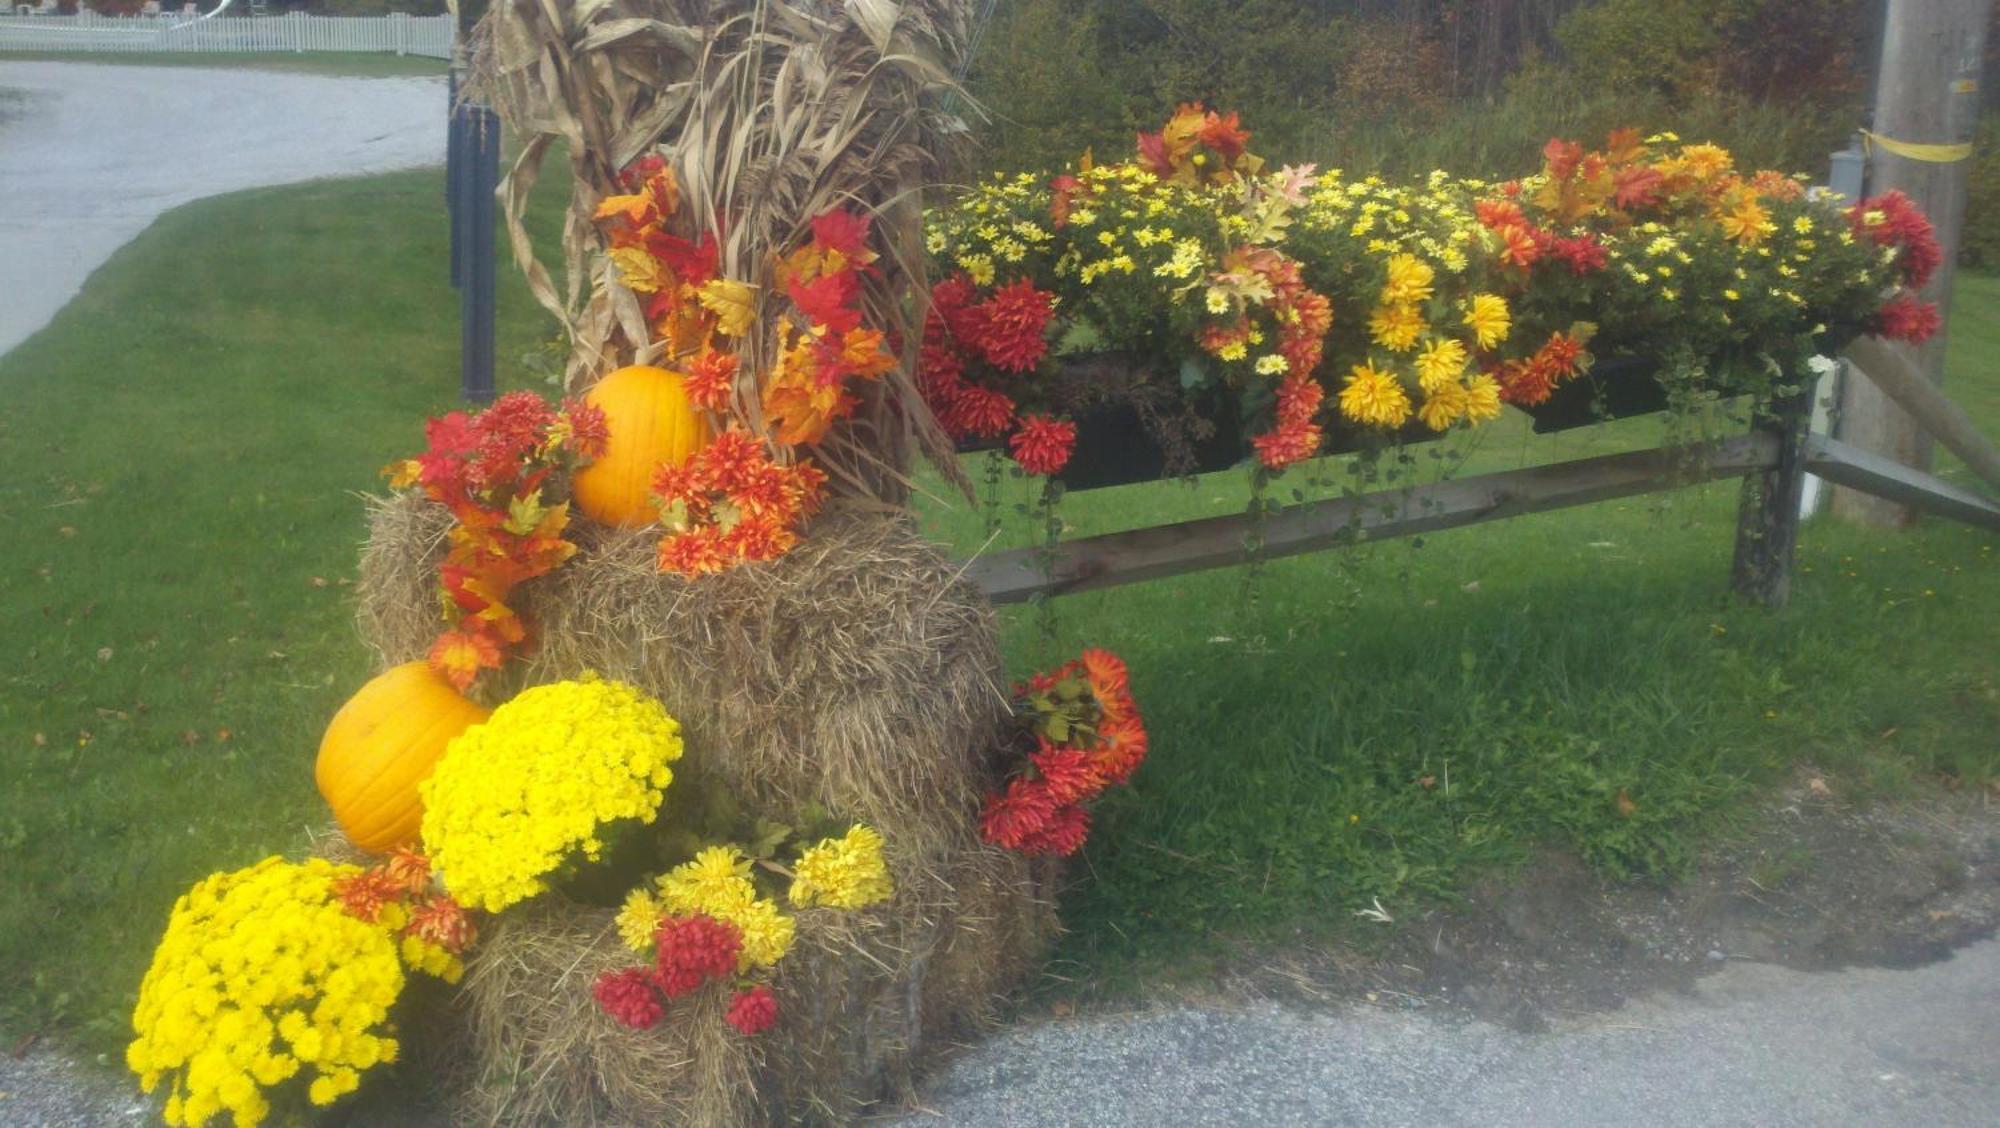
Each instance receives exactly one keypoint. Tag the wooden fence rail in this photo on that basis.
(398, 32)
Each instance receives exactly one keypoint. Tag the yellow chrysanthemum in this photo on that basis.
(639, 920)
(1396, 327)
(1747, 222)
(513, 798)
(1482, 399)
(1440, 363)
(1486, 315)
(262, 977)
(1443, 405)
(845, 873)
(1409, 281)
(1374, 397)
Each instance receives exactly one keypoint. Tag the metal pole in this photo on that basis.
(480, 178)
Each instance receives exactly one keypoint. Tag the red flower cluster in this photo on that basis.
(1904, 226)
(1904, 318)
(689, 951)
(1006, 330)
(752, 1012)
(628, 996)
(732, 503)
(493, 471)
(1088, 736)
(1530, 381)
(404, 878)
(1296, 437)
(1042, 445)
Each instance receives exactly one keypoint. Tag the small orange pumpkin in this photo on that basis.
(381, 745)
(651, 422)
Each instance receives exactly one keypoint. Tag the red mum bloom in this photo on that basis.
(1043, 445)
(1110, 681)
(1525, 382)
(1120, 747)
(628, 996)
(980, 413)
(1299, 399)
(409, 870)
(1286, 444)
(1068, 773)
(1907, 319)
(1583, 253)
(1063, 834)
(442, 921)
(752, 1012)
(1012, 323)
(711, 379)
(1495, 214)
(1560, 355)
(363, 894)
(1518, 246)
(1014, 818)
(585, 427)
(697, 552)
(692, 949)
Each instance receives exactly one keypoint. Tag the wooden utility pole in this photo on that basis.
(1926, 94)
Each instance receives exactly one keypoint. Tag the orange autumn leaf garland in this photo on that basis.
(746, 496)
(494, 472)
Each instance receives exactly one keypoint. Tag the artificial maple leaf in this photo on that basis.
(732, 303)
(635, 209)
(1636, 187)
(1224, 134)
(460, 655)
(638, 270)
(843, 231)
(828, 301)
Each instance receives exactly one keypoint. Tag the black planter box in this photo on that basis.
(1614, 388)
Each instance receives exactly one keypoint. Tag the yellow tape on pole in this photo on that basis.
(1916, 151)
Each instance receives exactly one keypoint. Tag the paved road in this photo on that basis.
(1754, 1045)
(98, 151)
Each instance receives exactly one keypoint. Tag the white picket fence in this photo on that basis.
(398, 32)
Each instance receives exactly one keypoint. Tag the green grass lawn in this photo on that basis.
(180, 452)
(357, 64)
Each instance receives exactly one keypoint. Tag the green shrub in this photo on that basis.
(1979, 245)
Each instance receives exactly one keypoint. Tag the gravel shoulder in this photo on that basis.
(92, 154)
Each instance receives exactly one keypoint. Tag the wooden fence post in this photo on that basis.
(1767, 524)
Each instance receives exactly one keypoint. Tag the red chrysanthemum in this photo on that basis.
(1287, 443)
(1012, 324)
(1043, 445)
(363, 894)
(1907, 319)
(711, 379)
(1110, 680)
(1495, 214)
(1560, 354)
(1067, 772)
(1120, 747)
(1063, 834)
(628, 996)
(1583, 253)
(1905, 227)
(981, 413)
(444, 922)
(752, 1012)
(1014, 818)
(1525, 382)
(689, 950)
(408, 870)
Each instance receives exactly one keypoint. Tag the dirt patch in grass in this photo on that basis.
(1819, 885)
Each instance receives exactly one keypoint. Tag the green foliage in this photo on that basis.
(1979, 241)
(1667, 47)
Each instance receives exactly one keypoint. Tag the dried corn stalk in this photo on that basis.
(770, 112)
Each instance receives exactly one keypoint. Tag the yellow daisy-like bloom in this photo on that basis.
(1409, 281)
(1440, 363)
(846, 872)
(639, 920)
(1482, 399)
(1443, 405)
(1486, 315)
(1396, 327)
(1374, 397)
(717, 883)
(1747, 223)
(513, 798)
(263, 977)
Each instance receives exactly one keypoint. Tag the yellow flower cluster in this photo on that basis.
(262, 977)
(846, 872)
(513, 798)
(717, 883)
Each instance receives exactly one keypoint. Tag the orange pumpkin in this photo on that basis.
(651, 422)
(381, 745)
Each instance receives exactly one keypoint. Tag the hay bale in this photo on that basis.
(858, 672)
